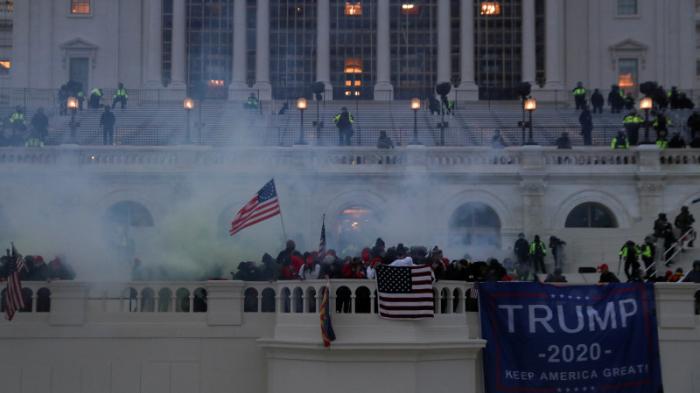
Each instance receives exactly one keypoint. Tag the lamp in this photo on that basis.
(188, 104)
(530, 105)
(72, 104)
(301, 105)
(646, 104)
(415, 106)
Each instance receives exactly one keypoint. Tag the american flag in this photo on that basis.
(13, 292)
(322, 242)
(405, 292)
(264, 205)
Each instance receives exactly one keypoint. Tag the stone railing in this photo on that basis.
(360, 159)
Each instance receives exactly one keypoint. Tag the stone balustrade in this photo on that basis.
(477, 159)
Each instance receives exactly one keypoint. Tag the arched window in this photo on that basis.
(362, 300)
(357, 226)
(475, 224)
(199, 301)
(164, 296)
(182, 300)
(591, 215)
(124, 223)
(148, 300)
(43, 300)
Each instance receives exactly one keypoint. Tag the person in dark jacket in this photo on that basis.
(586, 121)
(629, 253)
(384, 142)
(676, 141)
(684, 222)
(107, 121)
(563, 142)
(693, 124)
(597, 101)
(40, 125)
(343, 121)
(521, 249)
(694, 275)
(615, 99)
(606, 276)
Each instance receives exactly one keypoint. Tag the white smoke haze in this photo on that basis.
(62, 212)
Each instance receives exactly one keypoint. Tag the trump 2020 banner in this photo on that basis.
(570, 339)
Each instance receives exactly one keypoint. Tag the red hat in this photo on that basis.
(603, 267)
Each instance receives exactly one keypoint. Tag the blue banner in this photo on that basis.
(569, 339)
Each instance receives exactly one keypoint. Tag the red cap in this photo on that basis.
(603, 267)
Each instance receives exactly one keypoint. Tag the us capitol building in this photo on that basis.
(172, 202)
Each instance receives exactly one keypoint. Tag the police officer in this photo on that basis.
(17, 121)
(620, 141)
(120, 96)
(615, 99)
(579, 93)
(343, 121)
(629, 253)
(538, 250)
(95, 98)
(632, 122)
(252, 102)
(661, 124)
(648, 250)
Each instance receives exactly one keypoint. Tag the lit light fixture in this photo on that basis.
(347, 92)
(348, 83)
(490, 8)
(415, 104)
(353, 65)
(188, 103)
(301, 103)
(72, 103)
(646, 103)
(409, 8)
(216, 83)
(530, 104)
(357, 93)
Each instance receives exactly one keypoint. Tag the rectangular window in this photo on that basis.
(627, 7)
(353, 9)
(80, 7)
(627, 73)
(5, 66)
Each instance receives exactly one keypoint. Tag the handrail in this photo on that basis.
(676, 248)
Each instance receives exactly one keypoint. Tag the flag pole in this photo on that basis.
(284, 230)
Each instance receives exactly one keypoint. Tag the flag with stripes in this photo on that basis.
(322, 242)
(405, 292)
(13, 291)
(262, 206)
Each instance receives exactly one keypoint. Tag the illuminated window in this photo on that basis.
(353, 65)
(348, 83)
(358, 83)
(5, 66)
(80, 7)
(353, 9)
(409, 9)
(627, 7)
(216, 83)
(490, 8)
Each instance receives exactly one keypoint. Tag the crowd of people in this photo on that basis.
(36, 269)
(19, 130)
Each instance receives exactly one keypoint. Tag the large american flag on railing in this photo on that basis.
(405, 292)
(13, 292)
(264, 205)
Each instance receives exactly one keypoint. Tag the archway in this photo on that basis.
(475, 224)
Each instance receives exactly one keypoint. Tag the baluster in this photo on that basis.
(191, 301)
(259, 300)
(371, 302)
(171, 304)
(352, 302)
(156, 302)
(34, 296)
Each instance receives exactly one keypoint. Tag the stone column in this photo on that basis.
(467, 90)
(323, 47)
(262, 52)
(238, 89)
(154, 79)
(528, 44)
(383, 90)
(443, 53)
(179, 51)
(553, 42)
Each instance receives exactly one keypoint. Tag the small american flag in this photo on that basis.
(322, 242)
(264, 205)
(405, 292)
(13, 292)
